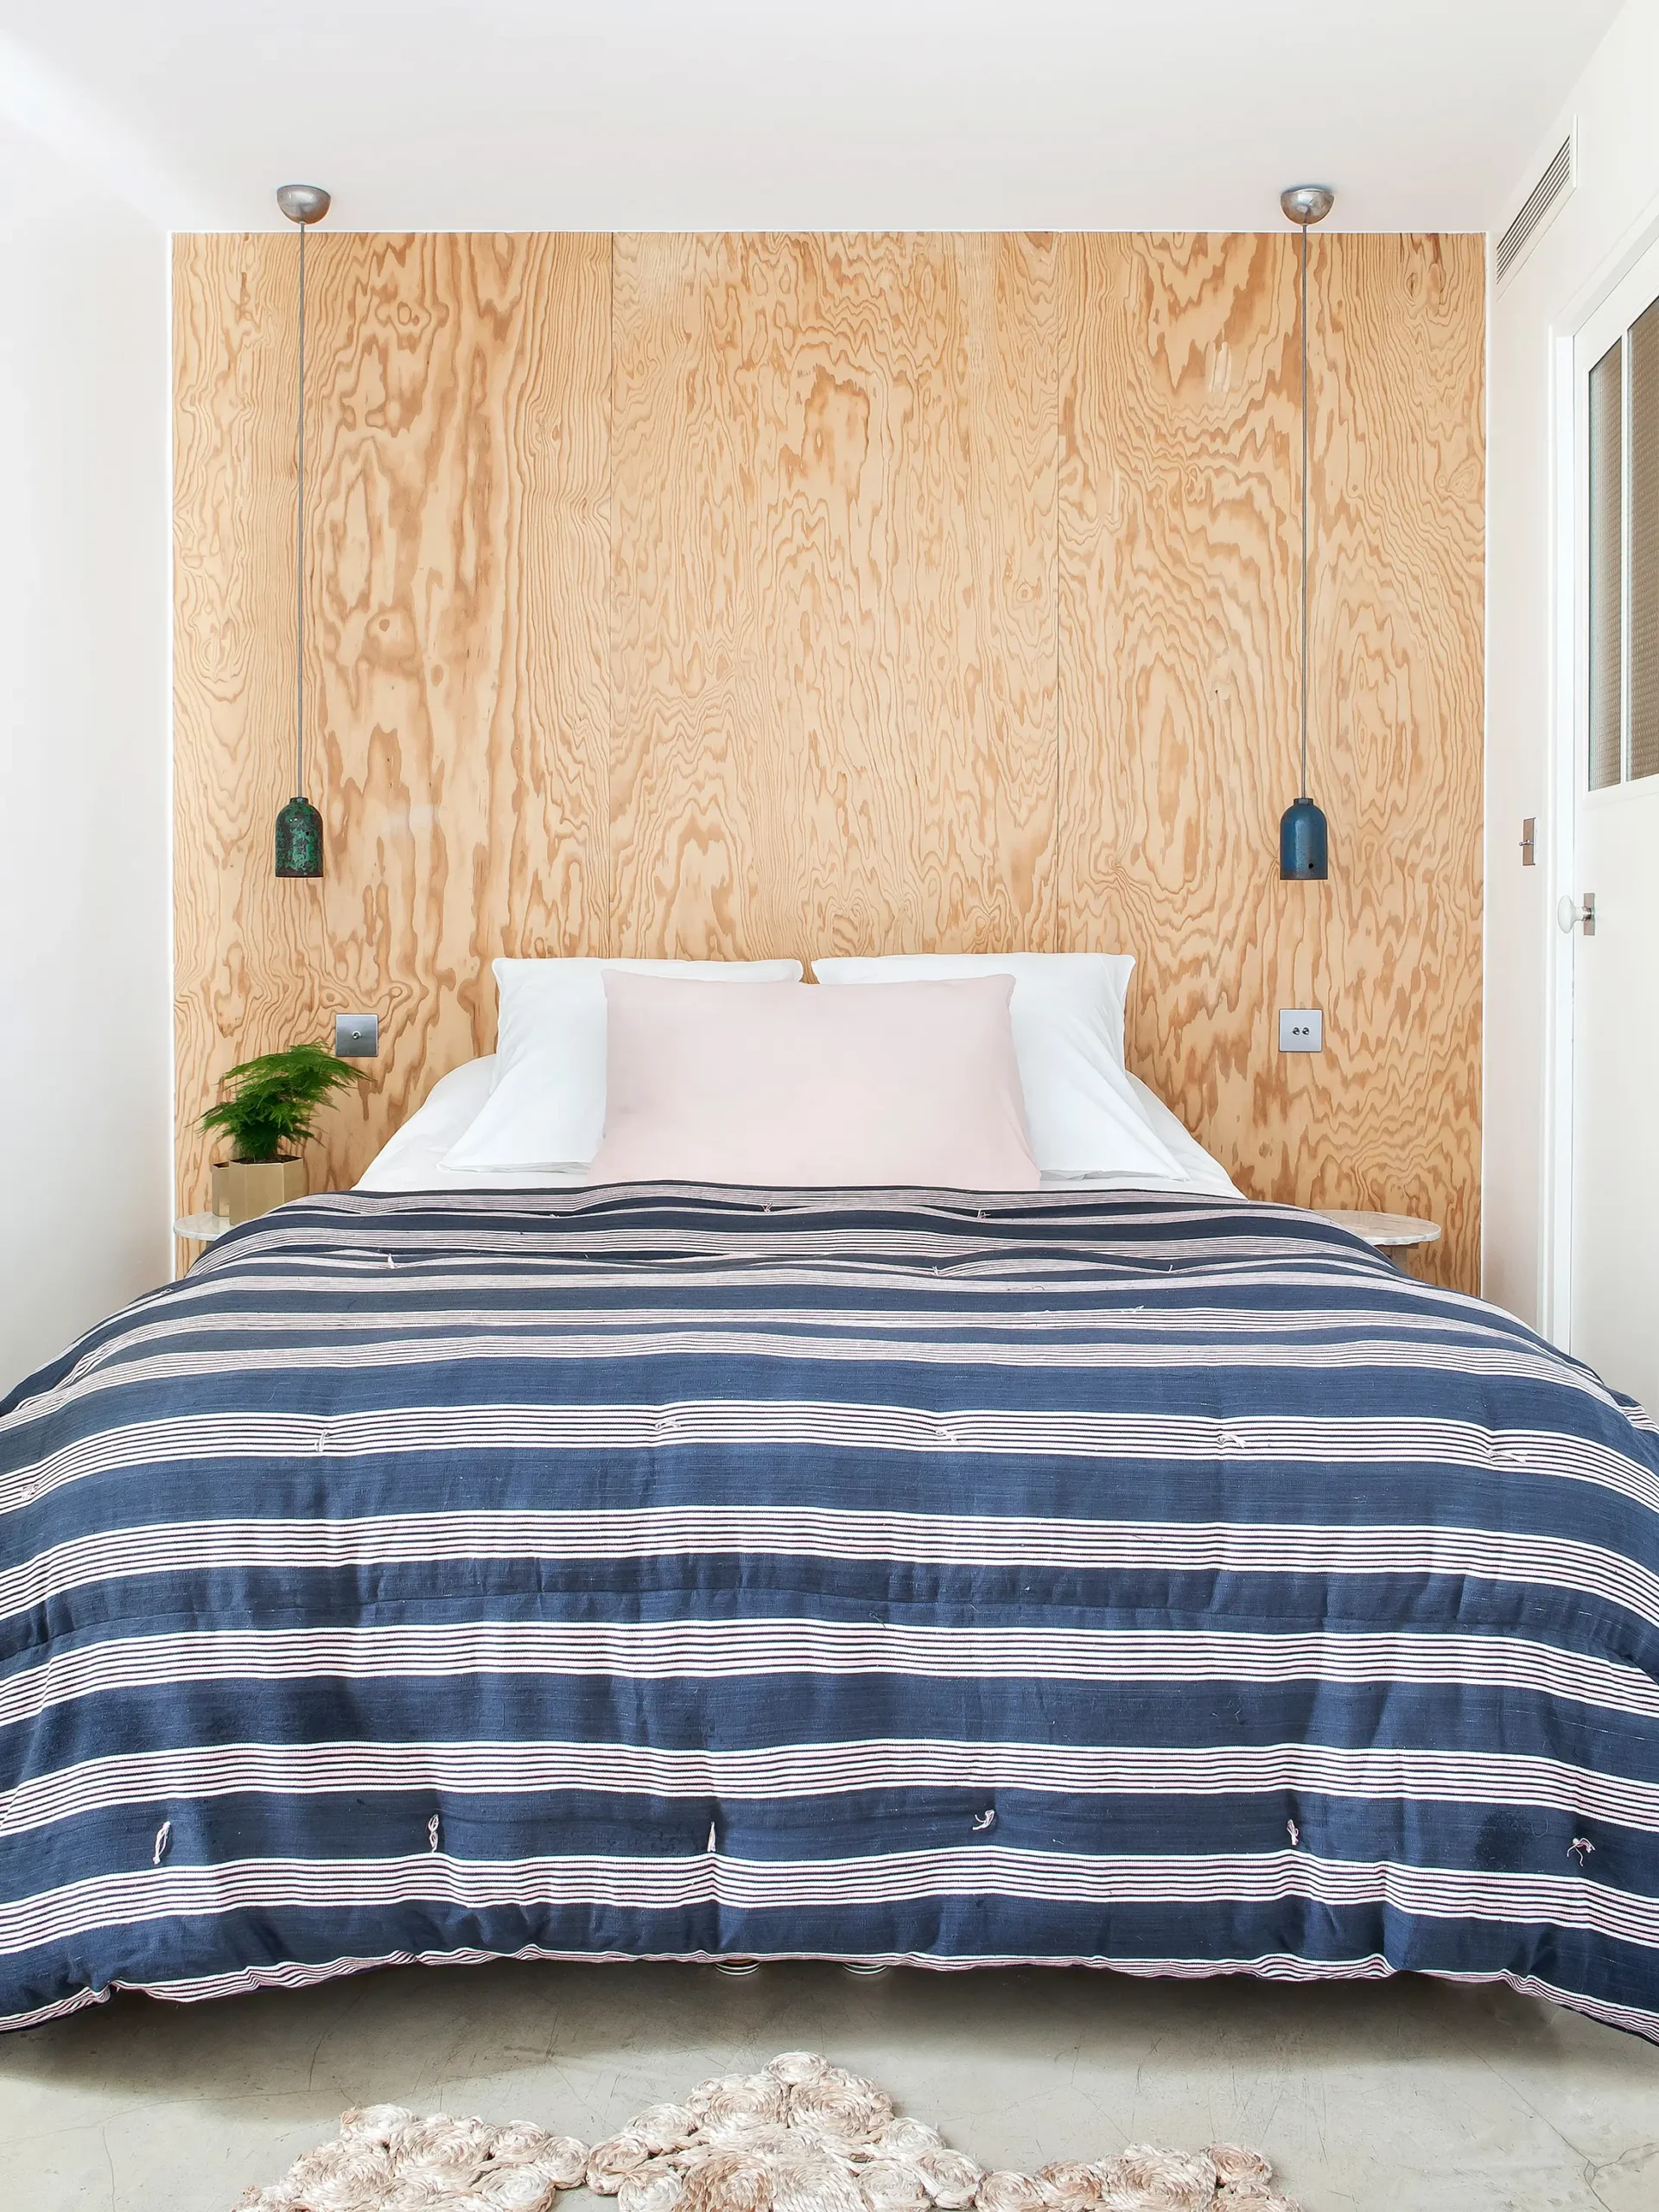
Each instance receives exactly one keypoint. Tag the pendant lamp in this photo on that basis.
(1304, 838)
(299, 826)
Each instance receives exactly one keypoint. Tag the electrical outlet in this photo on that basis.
(357, 1036)
(1301, 1029)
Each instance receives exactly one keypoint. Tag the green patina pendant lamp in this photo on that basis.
(1304, 836)
(299, 826)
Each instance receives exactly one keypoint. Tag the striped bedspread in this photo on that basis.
(1164, 1584)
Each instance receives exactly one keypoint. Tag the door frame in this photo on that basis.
(1603, 297)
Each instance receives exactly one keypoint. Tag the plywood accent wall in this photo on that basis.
(749, 595)
(457, 455)
(834, 622)
(1179, 618)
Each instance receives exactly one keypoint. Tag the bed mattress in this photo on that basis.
(1163, 1583)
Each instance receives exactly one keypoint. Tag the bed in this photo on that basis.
(1145, 1579)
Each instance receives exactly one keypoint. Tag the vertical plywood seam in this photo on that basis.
(1058, 837)
(608, 817)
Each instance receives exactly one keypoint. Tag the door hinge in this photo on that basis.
(1529, 842)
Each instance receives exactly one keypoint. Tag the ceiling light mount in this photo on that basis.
(1303, 203)
(303, 203)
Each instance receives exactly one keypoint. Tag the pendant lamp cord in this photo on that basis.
(299, 550)
(1303, 794)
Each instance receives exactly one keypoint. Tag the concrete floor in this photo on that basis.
(1396, 2097)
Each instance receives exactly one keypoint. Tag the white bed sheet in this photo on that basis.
(412, 1160)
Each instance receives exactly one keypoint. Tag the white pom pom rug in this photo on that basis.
(800, 2136)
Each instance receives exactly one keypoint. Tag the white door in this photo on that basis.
(1614, 950)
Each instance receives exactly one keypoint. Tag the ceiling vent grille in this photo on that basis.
(1555, 186)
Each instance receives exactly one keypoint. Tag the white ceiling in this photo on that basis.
(897, 114)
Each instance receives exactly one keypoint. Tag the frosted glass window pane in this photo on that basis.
(1645, 545)
(1606, 580)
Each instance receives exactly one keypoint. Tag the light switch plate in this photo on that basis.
(357, 1036)
(1301, 1029)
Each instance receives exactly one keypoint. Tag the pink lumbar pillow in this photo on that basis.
(787, 1085)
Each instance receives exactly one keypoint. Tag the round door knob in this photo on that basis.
(1573, 914)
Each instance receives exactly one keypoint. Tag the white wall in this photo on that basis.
(85, 868)
(1596, 234)
(648, 115)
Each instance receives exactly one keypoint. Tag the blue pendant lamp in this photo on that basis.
(1304, 839)
(299, 826)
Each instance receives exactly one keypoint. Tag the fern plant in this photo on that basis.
(271, 1102)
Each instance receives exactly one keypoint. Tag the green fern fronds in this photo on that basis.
(271, 1101)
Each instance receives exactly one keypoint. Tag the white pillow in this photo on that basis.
(1068, 1037)
(1197, 1167)
(412, 1157)
(547, 1108)
(449, 1110)
(416, 1148)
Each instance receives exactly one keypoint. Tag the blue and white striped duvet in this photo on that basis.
(1163, 1583)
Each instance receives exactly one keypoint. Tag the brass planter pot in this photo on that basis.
(244, 1189)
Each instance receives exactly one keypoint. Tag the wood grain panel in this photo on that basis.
(796, 595)
(458, 459)
(1178, 625)
(833, 627)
